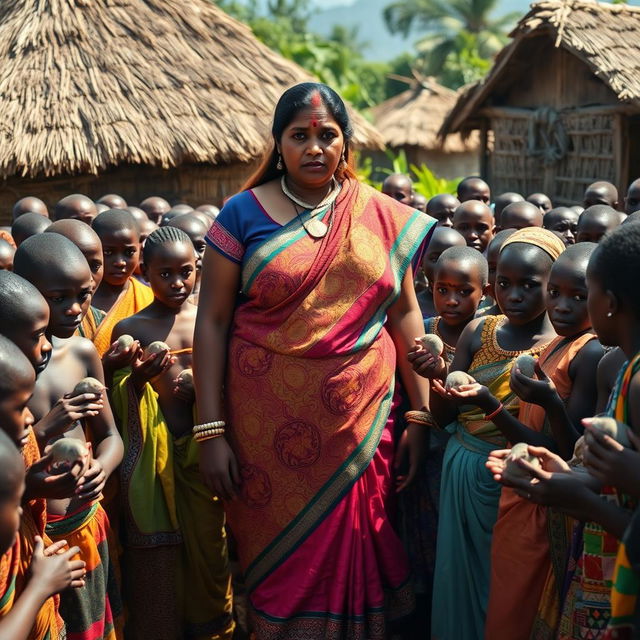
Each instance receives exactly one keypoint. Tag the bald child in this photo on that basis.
(474, 188)
(442, 207)
(541, 201)
(27, 225)
(112, 201)
(399, 187)
(29, 204)
(519, 215)
(601, 192)
(155, 207)
(474, 221)
(595, 221)
(632, 199)
(76, 206)
(503, 200)
(563, 221)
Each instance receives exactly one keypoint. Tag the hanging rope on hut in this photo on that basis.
(547, 137)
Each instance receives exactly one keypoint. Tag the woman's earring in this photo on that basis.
(279, 166)
(609, 314)
(343, 160)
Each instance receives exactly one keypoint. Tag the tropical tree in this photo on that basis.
(457, 34)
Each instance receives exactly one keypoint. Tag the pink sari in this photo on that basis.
(309, 390)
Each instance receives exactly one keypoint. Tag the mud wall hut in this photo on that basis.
(411, 121)
(137, 97)
(560, 107)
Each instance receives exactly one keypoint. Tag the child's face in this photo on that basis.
(15, 417)
(121, 252)
(521, 282)
(475, 224)
(32, 340)
(93, 256)
(564, 222)
(492, 259)
(172, 273)
(10, 514)
(84, 210)
(518, 216)
(632, 201)
(442, 209)
(69, 297)
(567, 298)
(457, 292)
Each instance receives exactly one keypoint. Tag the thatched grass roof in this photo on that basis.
(606, 37)
(414, 117)
(89, 84)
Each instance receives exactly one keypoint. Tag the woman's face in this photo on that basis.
(311, 146)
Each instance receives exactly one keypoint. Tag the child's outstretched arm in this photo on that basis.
(52, 571)
(107, 448)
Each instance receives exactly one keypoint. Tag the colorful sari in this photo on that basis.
(587, 609)
(136, 297)
(469, 499)
(90, 323)
(176, 553)
(309, 350)
(93, 612)
(530, 545)
(48, 624)
(624, 623)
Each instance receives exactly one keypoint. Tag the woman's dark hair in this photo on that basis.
(616, 264)
(291, 102)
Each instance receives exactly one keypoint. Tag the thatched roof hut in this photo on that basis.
(135, 96)
(412, 120)
(561, 106)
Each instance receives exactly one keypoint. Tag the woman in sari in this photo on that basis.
(306, 296)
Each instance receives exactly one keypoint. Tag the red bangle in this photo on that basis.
(494, 413)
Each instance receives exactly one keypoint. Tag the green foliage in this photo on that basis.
(459, 37)
(424, 180)
(336, 61)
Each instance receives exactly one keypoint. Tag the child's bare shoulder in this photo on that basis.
(589, 355)
(133, 326)
(82, 348)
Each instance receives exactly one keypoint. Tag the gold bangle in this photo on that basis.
(205, 438)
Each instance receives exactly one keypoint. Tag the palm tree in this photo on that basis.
(450, 26)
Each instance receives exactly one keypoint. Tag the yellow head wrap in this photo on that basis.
(544, 239)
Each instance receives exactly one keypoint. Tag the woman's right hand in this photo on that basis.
(219, 468)
(53, 573)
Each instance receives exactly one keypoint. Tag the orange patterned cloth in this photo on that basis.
(523, 562)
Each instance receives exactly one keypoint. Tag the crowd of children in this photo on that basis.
(545, 546)
(107, 530)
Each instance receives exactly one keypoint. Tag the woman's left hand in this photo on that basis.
(413, 446)
(611, 463)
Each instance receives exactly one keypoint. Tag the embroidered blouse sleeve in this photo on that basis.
(225, 234)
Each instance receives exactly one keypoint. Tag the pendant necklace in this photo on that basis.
(314, 227)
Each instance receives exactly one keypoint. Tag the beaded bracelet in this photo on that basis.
(217, 424)
(208, 431)
(489, 417)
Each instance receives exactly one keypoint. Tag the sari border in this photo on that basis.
(400, 256)
(327, 497)
(275, 244)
